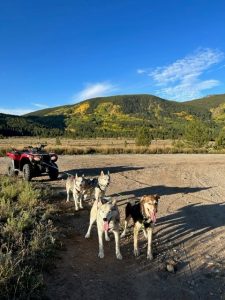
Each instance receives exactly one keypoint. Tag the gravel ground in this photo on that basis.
(189, 231)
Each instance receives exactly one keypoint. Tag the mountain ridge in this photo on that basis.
(122, 115)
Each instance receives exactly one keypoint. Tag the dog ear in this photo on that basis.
(142, 199)
(157, 196)
(102, 173)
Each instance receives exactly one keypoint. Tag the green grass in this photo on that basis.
(27, 239)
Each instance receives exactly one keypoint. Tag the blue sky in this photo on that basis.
(61, 52)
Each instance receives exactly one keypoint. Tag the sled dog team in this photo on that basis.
(105, 212)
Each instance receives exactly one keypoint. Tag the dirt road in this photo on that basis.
(190, 230)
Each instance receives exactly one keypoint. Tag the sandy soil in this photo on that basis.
(189, 230)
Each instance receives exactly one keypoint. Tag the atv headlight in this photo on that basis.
(54, 157)
(37, 157)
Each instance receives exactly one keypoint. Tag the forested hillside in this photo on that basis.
(11, 125)
(118, 116)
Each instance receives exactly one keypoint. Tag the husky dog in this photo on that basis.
(75, 185)
(96, 186)
(106, 214)
(143, 214)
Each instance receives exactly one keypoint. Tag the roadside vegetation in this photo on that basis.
(198, 137)
(27, 238)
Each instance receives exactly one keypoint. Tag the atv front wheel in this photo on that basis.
(27, 172)
(10, 169)
(53, 172)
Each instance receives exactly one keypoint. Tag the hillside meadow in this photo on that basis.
(62, 145)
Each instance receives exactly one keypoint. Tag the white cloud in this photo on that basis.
(141, 71)
(39, 105)
(15, 111)
(181, 80)
(95, 90)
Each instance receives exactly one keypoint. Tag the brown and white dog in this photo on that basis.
(143, 214)
(75, 185)
(107, 215)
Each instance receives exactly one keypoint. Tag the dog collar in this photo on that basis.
(77, 189)
(99, 186)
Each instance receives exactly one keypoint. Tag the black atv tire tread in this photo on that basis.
(53, 172)
(27, 172)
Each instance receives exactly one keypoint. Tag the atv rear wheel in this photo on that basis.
(11, 170)
(53, 172)
(27, 172)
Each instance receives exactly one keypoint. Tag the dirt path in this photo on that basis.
(190, 230)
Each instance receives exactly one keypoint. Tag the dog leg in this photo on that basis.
(100, 243)
(137, 227)
(92, 220)
(145, 233)
(125, 227)
(80, 202)
(107, 238)
(97, 194)
(75, 197)
(149, 249)
(117, 244)
(88, 234)
(68, 196)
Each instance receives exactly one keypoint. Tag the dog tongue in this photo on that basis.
(106, 226)
(153, 217)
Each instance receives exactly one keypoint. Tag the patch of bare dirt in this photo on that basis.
(189, 231)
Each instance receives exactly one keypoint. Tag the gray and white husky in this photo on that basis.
(75, 185)
(105, 212)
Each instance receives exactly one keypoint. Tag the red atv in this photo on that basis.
(33, 162)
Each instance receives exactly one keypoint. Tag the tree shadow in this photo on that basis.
(97, 171)
(191, 221)
(161, 190)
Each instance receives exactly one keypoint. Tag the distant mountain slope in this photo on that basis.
(11, 125)
(215, 104)
(208, 102)
(122, 115)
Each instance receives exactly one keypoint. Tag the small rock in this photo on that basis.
(216, 271)
(170, 268)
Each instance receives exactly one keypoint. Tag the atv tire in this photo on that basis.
(53, 172)
(10, 169)
(27, 172)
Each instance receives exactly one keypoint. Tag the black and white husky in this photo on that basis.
(143, 214)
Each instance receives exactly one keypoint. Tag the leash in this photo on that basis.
(51, 166)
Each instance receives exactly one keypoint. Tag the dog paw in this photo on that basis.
(107, 238)
(150, 257)
(87, 235)
(101, 255)
(136, 252)
(76, 209)
(119, 256)
(122, 234)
